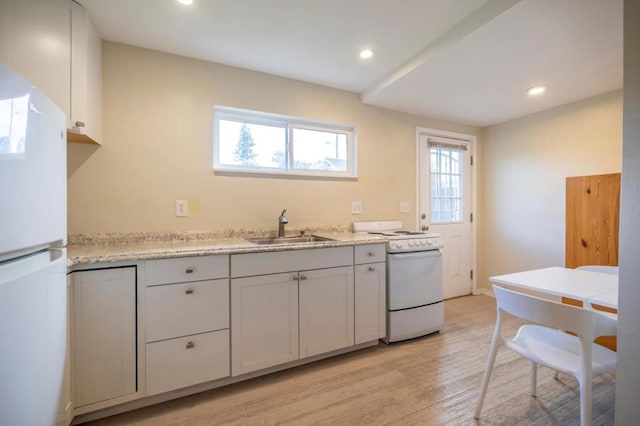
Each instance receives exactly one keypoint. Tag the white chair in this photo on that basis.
(613, 270)
(545, 344)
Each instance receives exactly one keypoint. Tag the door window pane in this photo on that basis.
(446, 185)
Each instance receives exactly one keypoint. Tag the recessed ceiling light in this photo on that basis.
(366, 53)
(185, 2)
(536, 90)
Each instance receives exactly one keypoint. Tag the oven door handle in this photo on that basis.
(427, 253)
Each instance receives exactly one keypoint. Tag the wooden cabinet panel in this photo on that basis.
(592, 220)
(592, 227)
(104, 334)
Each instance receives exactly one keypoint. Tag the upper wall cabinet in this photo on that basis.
(54, 45)
(85, 118)
(35, 42)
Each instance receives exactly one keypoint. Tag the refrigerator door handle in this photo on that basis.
(14, 269)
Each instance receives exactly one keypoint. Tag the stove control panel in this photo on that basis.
(414, 244)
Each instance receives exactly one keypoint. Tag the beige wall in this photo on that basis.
(524, 164)
(158, 120)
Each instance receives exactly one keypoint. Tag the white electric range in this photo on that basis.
(414, 279)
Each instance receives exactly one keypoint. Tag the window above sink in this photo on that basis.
(256, 142)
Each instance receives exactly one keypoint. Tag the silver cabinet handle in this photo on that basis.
(371, 253)
(190, 345)
(189, 271)
(296, 278)
(372, 268)
(188, 291)
(303, 277)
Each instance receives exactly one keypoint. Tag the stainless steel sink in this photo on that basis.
(288, 240)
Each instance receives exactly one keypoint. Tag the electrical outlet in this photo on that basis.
(404, 207)
(182, 208)
(356, 207)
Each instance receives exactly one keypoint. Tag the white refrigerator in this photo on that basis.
(33, 230)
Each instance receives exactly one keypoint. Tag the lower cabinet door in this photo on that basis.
(326, 310)
(104, 334)
(186, 361)
(370, 302)
(264, 321)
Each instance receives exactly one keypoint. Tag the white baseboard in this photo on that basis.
(485, 291)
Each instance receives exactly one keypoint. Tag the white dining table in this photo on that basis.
(587, 286)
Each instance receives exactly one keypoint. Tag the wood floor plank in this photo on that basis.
(433, 380)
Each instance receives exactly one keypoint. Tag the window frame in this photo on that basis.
(288, 123)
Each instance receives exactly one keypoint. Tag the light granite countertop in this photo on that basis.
(112, 248)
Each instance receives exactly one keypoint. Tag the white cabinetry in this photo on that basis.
(187, 321)
(35, 42)
(54, 45)
(267, 318)
(326, 310)
(85, 112)
(264, 318)
(370, 293)
(104, 334)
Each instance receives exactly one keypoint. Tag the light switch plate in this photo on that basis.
(182, 208)
(404, 207)
(356, 207)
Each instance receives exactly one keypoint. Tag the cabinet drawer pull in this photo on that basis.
(188, 291)
(371, 254)
(296, 278)
(190, 345)
(372, 268)
(303, 277)
(188, 271)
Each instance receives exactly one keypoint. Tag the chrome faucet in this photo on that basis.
(282, 221)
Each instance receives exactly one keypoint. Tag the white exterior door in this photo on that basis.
(444, 181)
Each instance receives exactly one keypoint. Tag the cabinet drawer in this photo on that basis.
(186, 361)
(183, 269)
(245, 265)
(370, 253)
(176, 310)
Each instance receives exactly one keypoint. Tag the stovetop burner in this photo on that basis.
(399, 233)
(400, 240)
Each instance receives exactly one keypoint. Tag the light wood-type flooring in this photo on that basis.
(433, 380)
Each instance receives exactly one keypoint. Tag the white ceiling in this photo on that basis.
(467, 61)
